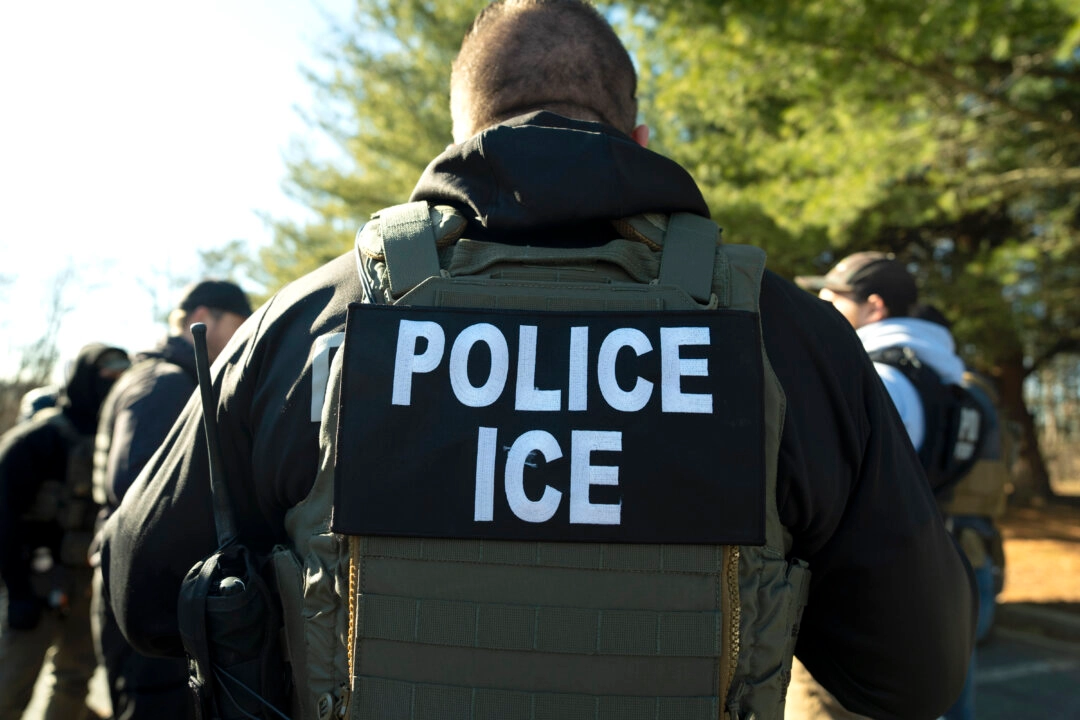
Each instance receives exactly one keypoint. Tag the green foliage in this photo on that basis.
(386, 104)
(943, 131)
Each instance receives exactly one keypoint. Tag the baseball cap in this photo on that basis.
(217, 295)
(865, 274)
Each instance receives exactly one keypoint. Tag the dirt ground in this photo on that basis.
(1042, 555)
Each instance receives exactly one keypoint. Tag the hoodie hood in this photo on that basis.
(85, 388)
(933, 344)
(542, 170)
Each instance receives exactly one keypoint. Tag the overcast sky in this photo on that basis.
(132, 135)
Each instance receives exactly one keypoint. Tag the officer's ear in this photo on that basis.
(640, 134)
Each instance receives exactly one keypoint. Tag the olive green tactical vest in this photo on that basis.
(384, 627)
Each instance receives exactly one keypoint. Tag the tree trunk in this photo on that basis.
(1031, 479)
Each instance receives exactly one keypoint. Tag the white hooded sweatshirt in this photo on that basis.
(932, 343)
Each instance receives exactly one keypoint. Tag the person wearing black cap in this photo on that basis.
(46, 522)
(135, 419)
(878, 296)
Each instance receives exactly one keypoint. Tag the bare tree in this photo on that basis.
(38, 359)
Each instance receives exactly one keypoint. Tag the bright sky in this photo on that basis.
(132, 135)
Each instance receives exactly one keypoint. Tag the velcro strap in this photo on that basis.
(689, 254)
(409, 245)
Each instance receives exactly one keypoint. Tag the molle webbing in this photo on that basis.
(629, 631)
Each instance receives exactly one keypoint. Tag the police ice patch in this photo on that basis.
(642, 427)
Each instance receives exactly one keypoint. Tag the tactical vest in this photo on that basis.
(68, 501)
(432, 625)
(982, 491)
(954, 419)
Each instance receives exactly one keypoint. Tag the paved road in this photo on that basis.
(1027, 676)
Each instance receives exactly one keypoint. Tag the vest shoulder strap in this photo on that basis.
(409, 245)
(407, 239)
(689, 252)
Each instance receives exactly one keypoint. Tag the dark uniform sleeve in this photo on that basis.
(269, 441)
(165, 523)
(163, 526)
(890, 621)
(269, 445)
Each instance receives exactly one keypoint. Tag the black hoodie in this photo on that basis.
(889, 624)
(36, 451)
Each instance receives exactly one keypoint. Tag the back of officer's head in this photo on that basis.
(526, 55)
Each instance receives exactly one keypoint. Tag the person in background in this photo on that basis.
(135, 418)
(917, 361)
(973, 505)
(46, 523)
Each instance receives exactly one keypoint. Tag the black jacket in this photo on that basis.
(889, 625)
(136, 416)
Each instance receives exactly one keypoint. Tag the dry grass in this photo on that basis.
(1042, 555)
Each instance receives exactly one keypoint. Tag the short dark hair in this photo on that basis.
(217, 295)
(526, 55)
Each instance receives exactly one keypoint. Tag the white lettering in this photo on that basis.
(407, 362)
(410, 361)
(320, 370)
(483, 503)
(616, 397)
(583, 475)
(967, 435)
(492, 388)
(673, 368)
(577, 397)
(543, 509)
(528, 396)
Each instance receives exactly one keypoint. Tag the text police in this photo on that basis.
(421, 348)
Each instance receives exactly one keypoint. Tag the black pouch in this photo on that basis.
(230, 625)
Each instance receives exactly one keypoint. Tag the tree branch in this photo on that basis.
(948, 79)
(1037, 176)
(944, 78)
(1062, 346)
